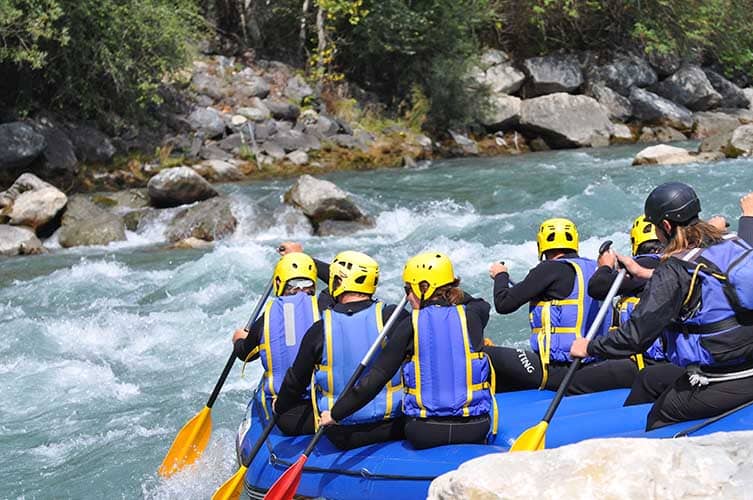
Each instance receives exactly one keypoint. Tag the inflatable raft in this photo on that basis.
(397, 471)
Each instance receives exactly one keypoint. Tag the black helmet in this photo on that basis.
(673, 201)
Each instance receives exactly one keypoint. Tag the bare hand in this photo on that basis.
(579, 348)
(608, 259)
(634, 269)
(326, 419)
(719, 222)
(240, 333)
(746, 204)
(496, 268)
(287, 247)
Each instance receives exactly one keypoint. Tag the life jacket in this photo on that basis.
(286, 320)
(625, 307)
(556, 323)
(446, 377)
(347, 338)
(709, 333)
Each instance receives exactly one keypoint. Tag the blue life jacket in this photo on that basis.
(347, 338)
(709, 334)
(625, 308)
(556, 323)
(286, 320)
(446, 377)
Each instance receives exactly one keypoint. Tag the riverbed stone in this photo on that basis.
(503, 78)
(84, 224)
(565, 120)
(293, 140)
(298, 158)
(689, 87)
(741, 142)
(493, 57)
(748, 93)
(207, 121)
(551, 74)
(618, 106)
(207, 84)
(653, 109)
(282, 110)
(716, 143)
(20, 145)
(38, 209)
(18, 240)
(732, 95)
(178, 186)
(621, 134)
(663, 154)
(297, 89)
(218, 170)
(623, 73)
(60, 154)
(467, 145)
(708, 123)
(257, 111)
(92, 146)
(501, 111)
(343, 228)
(664, 62)
(322, 200)
(208, 220)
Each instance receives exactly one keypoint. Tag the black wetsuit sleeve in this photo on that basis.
(602, 279)
(298, 376)
(248, 349)
(661, 302)
(477, 314)
(745, 229)
(322, 270)
(550, 279)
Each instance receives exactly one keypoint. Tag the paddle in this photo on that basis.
(287, 484)
(193, 438)
(709, 421)
(533, 438)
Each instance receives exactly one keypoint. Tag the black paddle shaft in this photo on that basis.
(707, 422)
(260, 441)
(231, 359)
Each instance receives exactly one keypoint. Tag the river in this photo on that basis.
(106, 352)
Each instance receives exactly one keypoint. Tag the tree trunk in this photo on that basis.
(321, 35)
(302, 34)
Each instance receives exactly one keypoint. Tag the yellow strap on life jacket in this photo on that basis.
(417, 366)
(693, 281)
(495, 409)
(468, 361)
(545, 339)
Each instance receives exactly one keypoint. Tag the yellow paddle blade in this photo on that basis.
(189, 444)
(232, 488)
(532, 438)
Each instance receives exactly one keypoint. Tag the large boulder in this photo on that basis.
(651, 108)
(297, 89)
(551, 74)
(208, 220)
(246, 85)
(20, 145)
(618, 106)
(689, 87)
(24, 182)
(282, 110)
(501, 111)
(732, 95)
(623, 73)
(294, 140)
(716, 143)
(492, 57)
(128, 199)
(708, 123)
(748, 93)
(621, 134)
(218, 170)
(565, 120)
(207, 121)
(15, 240)
(741, 142)
(60, 154)
(92, 146)
(178, 186)
(322, 200)
(317, 124)
(257, 111)
(501, 78)
(466, 145)
(38, 209)
(84, 224)
(664, 63)
(662, 155)
(207, 84)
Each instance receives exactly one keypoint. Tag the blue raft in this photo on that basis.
(396, 471)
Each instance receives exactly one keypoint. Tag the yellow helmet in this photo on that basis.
(432, 267)
(357, 272)
(293, 266)
(641, 232)
(556, 234)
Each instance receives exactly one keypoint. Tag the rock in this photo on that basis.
(715, 466)
(618, 107)
(178, 186)
(25, 182)
(741, 142)
(663, 155)
(322, 200)
(209, 85)
(651, 108)
(257, 113)
(318, 125)
(623, 73)
(668, 134)
(60, 154)
(663, 63)
(621, 134)
(716, 143)
(249, 86)
(16, 240)
(298, 157)
(689, 87)
(493, 57)
(218, 171)
(467, 145)
(551, 74)
(84, 223)
(208, 220)
(273, 149)
(539, 144)
(748, 92)
(136, 220)
(281, 110)
(238, 121)
(38, 209)
(732, 95)
(213, 152)
(342, 228)
(297, 89)
(708, 123)
(92, 146)
(207, 121)
(565, 120)
(500, 79)
(293, 140)
(191, 244)
(744, 116)
(19, 145)
(126, 199)
(502, 111)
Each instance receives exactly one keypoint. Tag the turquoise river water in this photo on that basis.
(106, 352)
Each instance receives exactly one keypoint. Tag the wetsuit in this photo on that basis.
(668, 386)
(518, 369)
(298, 378)
(421, 432)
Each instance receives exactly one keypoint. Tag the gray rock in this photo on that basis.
(127, 199)
(209, 85)
(663, 63)
(467, 145)
(38, 209)
(668, 134)
(651, 108)
(623, 73)
(662, 155)
(716, 143)
(499, 79)
(298, 158)
(207, 121)
(618, 107)
(342, 228)
(60, 154)
(744, 116)
(178, 186)
(550, 74)
(493, 57)
(16, 240)
(92, 146)
(19, 145)
(231, 143)
(282, 110)
(137, 220)
(741, 142)
(621, 134)
(318, 125)
(501, 111)
(191, 244)
(273, 149)
(322, 200)
(689, 87)
(84, 224)
(250, 87)
(218, 171)
(565, 120)
(263, 130)
(293, 140)
(257, 112)
(208, 220)
(732, 95)
(748, 92)
(297, 89)
(213, 152)
(539, 144)
(708, 123)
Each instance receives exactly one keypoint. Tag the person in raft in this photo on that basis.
(276, 335)
(449, 391)
(332, 349)
(560, 311)
(646, 249)
(688, 300)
